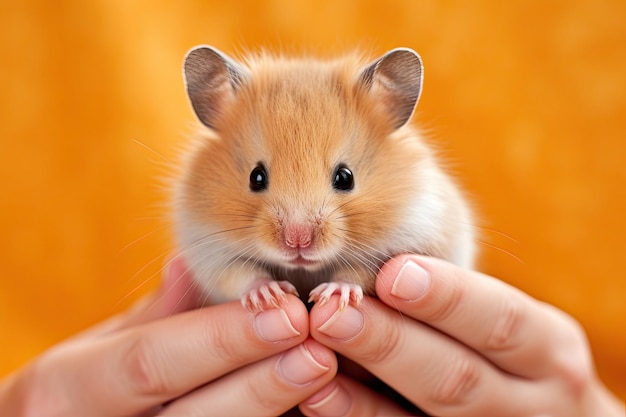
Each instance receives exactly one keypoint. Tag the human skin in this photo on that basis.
(451, 341)
(460, 343)
(165, 357)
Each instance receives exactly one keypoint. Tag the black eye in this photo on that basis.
(343, 179)
(258, 178)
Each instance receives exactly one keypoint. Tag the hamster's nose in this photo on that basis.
(298, 235)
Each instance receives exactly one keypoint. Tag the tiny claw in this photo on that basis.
(344, 298)
(267, 293)
(287, 287)
(357, 295)
(347, 292)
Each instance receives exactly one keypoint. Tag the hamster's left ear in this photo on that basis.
(212, 79)
(396, 80)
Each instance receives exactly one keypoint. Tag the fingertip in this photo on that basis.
(321, 312)
(288, 321)
(306, 363)
(178, 290)
(340, 324)
(332, 400)
(344, 396)
(322, 355)
(297, 313)
(175, 266)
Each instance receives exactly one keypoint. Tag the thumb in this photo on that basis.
(178, 291)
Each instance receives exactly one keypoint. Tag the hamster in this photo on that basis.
(306, 175)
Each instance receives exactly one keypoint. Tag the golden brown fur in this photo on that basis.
(301, 118)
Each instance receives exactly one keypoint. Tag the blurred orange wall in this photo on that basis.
(527, 100)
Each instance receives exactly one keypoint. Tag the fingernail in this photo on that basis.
(331, 401)
(411, 283)
(344, 324)
(274, 326)
(299, 367)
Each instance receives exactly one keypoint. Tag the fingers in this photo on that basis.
(512, 330)
(346, 397)
(456, 342)
(427, 367)
(151, 364)
(268, 387)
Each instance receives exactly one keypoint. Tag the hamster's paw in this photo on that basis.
(347, 292)
(267, 293)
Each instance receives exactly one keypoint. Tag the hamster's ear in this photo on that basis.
(396, 80)
(211, 79)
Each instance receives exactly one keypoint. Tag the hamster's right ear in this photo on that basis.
(211, 79)
(395, 79)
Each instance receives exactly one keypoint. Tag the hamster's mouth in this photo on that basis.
(300, 261)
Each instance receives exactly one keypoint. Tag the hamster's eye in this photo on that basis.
(343, 180)
(258, 178)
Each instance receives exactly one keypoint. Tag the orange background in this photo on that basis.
(526, 98)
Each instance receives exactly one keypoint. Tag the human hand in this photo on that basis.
(159, 358)
(457, 343)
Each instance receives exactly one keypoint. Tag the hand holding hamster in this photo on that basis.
(151, 361)
(307, 176)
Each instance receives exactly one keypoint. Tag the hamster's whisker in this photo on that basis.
(346, 263)
(155, 152)
(147, 279)
(220, 264)
(144, 236)
(171, 165)
(499, 249)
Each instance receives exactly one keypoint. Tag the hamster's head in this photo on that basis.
(305, 163)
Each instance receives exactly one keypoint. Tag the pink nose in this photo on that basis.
(298, 236)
